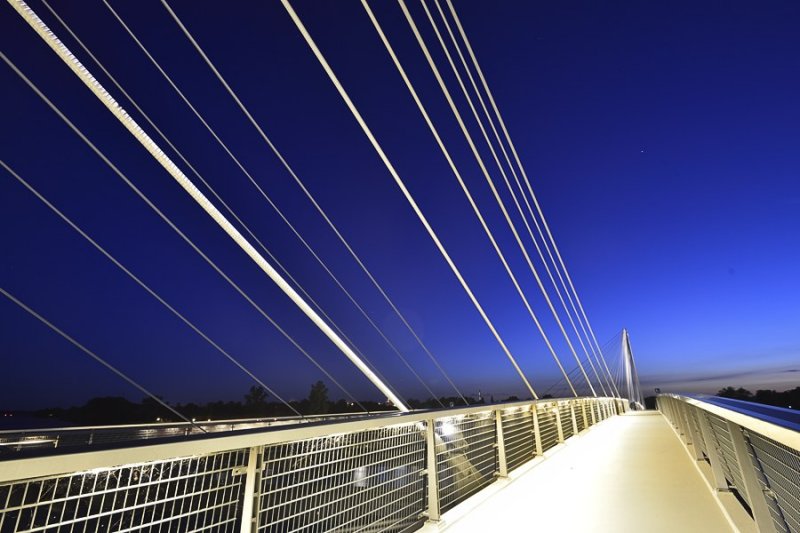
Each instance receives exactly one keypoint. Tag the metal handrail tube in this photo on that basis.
(121, 430)
(767, 427)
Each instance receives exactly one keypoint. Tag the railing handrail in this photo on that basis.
(183, 424)
(781, 416)
(55, 461)
(784, 431)
(235, 424)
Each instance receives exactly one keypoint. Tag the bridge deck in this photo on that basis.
(628, 474)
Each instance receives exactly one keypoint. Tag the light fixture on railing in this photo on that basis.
(447, 429)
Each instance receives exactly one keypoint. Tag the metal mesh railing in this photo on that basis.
(582, 417)
(357, 474)
(780, 466)
(764, 472)
(548, 428)
(189, 494)
(369, 479)
(466, 456)
(712, 444)
(600, 410)
(565, 414)
(518, 436)
(692, 415)
(727, 455)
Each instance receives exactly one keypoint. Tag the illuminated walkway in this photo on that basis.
(629, 474)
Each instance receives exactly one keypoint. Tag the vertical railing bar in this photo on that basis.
(558, 423)
(687, 426)
(434, 514)
(574, 420)
(755, 495)
(711, 452)
(502, 467)
(696, 442)
(249, 492)
(676, 419)
(537, 434)
(583, 413)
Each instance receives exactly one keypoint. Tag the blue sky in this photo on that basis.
(661, 141)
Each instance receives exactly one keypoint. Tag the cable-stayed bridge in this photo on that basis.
(725, 466)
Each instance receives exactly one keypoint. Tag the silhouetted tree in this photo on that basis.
(737, 394)
(110, 410)
(255, 401)
(318, 399)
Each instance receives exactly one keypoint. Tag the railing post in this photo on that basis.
(755, 494)
(698, 452)
(434, 515)
(683, 418)
(711, 451)
(572, 415)
(583, 411)
(687, 424)
(249, 521)
(502, 466)
(675, 418)
(673, 406)
(669, 410)
(537, 434)
(681, 421)
(558, 424)
(591, 411)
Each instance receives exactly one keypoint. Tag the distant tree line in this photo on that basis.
(256, 403)
(789, 398)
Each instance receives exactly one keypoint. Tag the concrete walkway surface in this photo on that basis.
(629, 474)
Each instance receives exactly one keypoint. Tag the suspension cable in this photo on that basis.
(93, 355)
(482, 166)
(463, 185)
(143, 285)
(525, 177)
(236, 217)
(314, 202)
(524, 196)
(506, 180)
(574, 371)
(74, 64)
(326, 66)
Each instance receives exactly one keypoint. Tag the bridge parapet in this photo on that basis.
(752, 450)
(376, 473)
